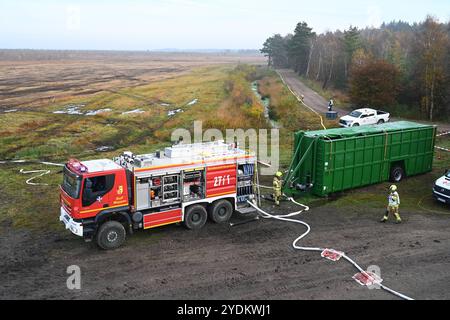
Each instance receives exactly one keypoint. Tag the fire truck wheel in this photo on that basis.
(221, 211)
(111, 235)
(195, 217)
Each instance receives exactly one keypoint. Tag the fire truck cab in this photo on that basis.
(107, 199)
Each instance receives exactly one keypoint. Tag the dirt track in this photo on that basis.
(318, 103)
(312, 98)
(251, 261)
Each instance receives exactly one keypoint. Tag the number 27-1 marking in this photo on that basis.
(221, 180)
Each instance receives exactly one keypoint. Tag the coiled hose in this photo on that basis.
(39, 173)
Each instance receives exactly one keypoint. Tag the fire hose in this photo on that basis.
(288, 217)
(39, 173)
(299, 99)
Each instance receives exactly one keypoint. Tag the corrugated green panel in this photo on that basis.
(320, 176)
(346, 158)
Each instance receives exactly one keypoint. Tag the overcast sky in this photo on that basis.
(189, 24)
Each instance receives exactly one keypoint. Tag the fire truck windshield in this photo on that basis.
(71, 183)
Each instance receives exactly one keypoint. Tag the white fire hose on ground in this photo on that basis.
(339, 254)
(39, 173)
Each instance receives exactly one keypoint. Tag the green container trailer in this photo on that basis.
(334, 160)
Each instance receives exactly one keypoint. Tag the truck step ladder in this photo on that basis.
(246, 210)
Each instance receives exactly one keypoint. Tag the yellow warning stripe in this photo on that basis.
(229, 166)
(162, 224)
(221, 194)
(99, 209)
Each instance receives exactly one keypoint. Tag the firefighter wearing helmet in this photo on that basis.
(277, 187)
(393, 205)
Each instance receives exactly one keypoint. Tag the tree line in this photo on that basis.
(399, 66)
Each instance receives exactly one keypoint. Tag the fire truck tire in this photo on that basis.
(195, 217)
(220, 211)
(111, 235)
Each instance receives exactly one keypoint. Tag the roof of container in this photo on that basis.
(367, 130)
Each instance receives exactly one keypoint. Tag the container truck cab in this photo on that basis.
(441, 189)
(189, 183)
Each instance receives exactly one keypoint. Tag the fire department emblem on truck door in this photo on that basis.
(120, 190)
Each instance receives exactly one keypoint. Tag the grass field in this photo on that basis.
(42, 134)
(219, 94)
(223, 99)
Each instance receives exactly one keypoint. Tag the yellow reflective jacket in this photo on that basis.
(276, 184)
(394, 199)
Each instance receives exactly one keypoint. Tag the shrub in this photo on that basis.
(374, 83)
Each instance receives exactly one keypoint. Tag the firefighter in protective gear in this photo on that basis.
(393, 204)
(277, 187)
(330, 104)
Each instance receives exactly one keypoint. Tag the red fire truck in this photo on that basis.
(106, 199)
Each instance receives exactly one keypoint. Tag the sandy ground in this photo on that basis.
(250, 261)
(318, 103)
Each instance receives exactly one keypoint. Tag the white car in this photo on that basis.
(441, 190)
(364, 116)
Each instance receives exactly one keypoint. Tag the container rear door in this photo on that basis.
(220, 180)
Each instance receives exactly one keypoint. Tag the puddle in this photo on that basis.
(71, 109)
(133, 111)
(75, 109)
(174, 112)
(95, 112)
(104, 148)
(10, 110)
(192, 102)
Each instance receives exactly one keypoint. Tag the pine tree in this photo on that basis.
(299, 47)
(352, 42)
(275, 49)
